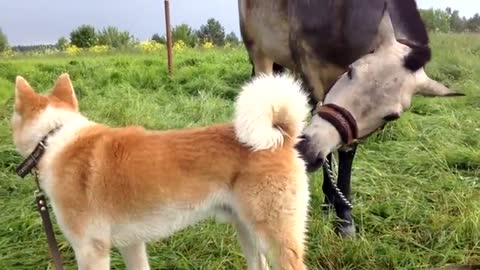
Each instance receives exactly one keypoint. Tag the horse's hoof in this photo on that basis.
(346, 230)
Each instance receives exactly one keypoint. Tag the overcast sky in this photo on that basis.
(44, 21)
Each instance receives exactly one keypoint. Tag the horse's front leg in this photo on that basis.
(343, 206)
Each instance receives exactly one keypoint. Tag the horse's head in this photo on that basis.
(376, 89)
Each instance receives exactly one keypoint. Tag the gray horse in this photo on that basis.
(319, 40)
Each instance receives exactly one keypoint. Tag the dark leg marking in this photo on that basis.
(345, 226)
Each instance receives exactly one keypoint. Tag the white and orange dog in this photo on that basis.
(125, 186)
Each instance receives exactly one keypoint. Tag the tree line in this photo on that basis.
(212, 31)
(86, 36)
(448, 20)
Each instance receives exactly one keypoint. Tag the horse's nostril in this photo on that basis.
(303, 137)
(301, 145)
(315, 163)
(320, 158)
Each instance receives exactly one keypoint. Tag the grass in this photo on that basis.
(416, 185)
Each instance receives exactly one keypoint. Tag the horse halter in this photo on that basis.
(346, 126)
(342, 120)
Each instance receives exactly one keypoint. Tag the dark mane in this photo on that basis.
(410, 30)
(418, 57)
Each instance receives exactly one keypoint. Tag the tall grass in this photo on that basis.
(416, 185)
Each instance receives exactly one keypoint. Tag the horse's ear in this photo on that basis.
(430, 88)
(386, 31)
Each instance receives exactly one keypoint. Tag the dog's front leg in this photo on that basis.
(135, 256)
(92, 254)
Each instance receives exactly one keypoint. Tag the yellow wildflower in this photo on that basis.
(179, 45)
(72, 49)
(208, 45)
(99, 49)
(8, 53)
(150, 46)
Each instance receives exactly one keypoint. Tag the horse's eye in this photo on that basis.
(350, 72)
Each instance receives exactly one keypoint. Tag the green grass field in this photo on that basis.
(416, 185)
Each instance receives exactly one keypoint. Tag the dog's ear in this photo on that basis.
(64, 91)
(24, 93)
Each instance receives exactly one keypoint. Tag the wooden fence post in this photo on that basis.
(169, 37)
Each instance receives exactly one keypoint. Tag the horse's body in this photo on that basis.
(318, 40)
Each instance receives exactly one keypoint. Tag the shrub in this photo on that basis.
(7, 53)
(62, 43)
(232, 38)
(84, 36)
(114, 38)
(159, 39)
(3, 41)
(184, 33)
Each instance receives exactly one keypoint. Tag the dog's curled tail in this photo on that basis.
(270, 110)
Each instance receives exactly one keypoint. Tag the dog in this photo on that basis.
(125, 186)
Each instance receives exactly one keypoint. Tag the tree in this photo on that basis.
(114, 38)
(84, 36)
(184, 33)
(436, 20)
(3, 41)
(62, 43)
(473, 24)
(213, 31)
(457, 24)
(232, 38)
(159, 39)
(449, 20)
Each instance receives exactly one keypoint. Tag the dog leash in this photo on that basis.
(26, 167)
(42, 208)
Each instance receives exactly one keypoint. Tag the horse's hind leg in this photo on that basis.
(277, 69)
(261, 62)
